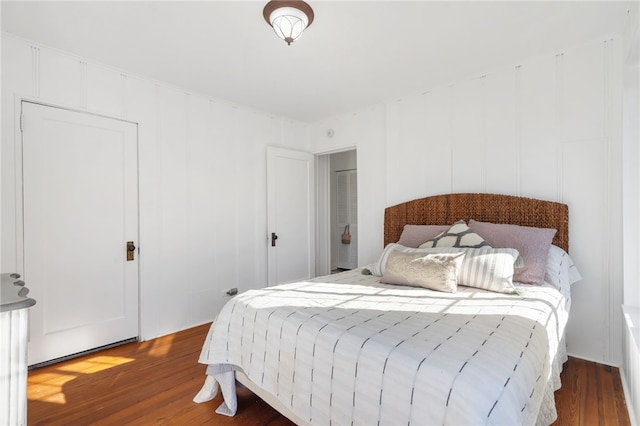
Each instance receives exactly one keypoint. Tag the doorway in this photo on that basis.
(343, 207)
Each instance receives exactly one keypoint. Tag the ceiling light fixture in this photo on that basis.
(288, 18)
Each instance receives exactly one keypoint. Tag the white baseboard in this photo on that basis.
(597, 361)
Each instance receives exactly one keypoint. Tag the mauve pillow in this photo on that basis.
(414, 235)
(533, 244)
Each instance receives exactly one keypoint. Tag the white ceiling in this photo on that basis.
(356, 53)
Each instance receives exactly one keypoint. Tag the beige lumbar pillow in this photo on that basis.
(433, 271)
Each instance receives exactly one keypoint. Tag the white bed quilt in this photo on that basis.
(346, 349)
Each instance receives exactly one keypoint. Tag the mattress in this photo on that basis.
(347, 349)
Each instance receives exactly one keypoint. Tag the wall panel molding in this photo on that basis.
(452, 123)
(559, 86)
(192, 182)
(124, 95)
(518, 128)
(84, 85)
(537, 130)
(607, 219)
(35, 71)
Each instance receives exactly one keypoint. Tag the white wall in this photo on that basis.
(365, 130)
(202, 178)
(548, 128)
(631, 213)
(631, 160)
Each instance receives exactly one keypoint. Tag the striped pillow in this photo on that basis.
(560, 270)
(486, 268)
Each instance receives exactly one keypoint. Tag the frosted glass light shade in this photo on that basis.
(288, 23)
(288, 18)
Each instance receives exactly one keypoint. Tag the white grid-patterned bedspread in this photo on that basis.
(345, 349)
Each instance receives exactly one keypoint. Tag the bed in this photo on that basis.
(351, 349)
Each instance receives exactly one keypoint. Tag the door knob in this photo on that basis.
(131, 248)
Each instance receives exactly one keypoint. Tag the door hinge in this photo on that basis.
(22, 122)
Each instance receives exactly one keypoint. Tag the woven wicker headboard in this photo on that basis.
(449, 208)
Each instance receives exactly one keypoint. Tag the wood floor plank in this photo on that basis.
(154, 382)
(591, 400)
(619, 400)
(611, 386)
(569, 396)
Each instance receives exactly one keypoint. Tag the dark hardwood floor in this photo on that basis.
(154, 382)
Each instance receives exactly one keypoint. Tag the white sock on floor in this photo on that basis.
(208, 392)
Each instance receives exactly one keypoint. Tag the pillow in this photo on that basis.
(433, 271)
(377, 268)
(458, 235)
(533, 244)
(485, 267)
(560, 270)
(414, 235)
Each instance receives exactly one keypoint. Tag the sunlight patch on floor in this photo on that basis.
(161, 345)
(95, 364)
(47, 387)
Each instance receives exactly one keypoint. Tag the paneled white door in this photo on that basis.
(290, 215)
(80, 208)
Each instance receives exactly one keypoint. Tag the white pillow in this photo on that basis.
(560, 270)
(486, 268)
